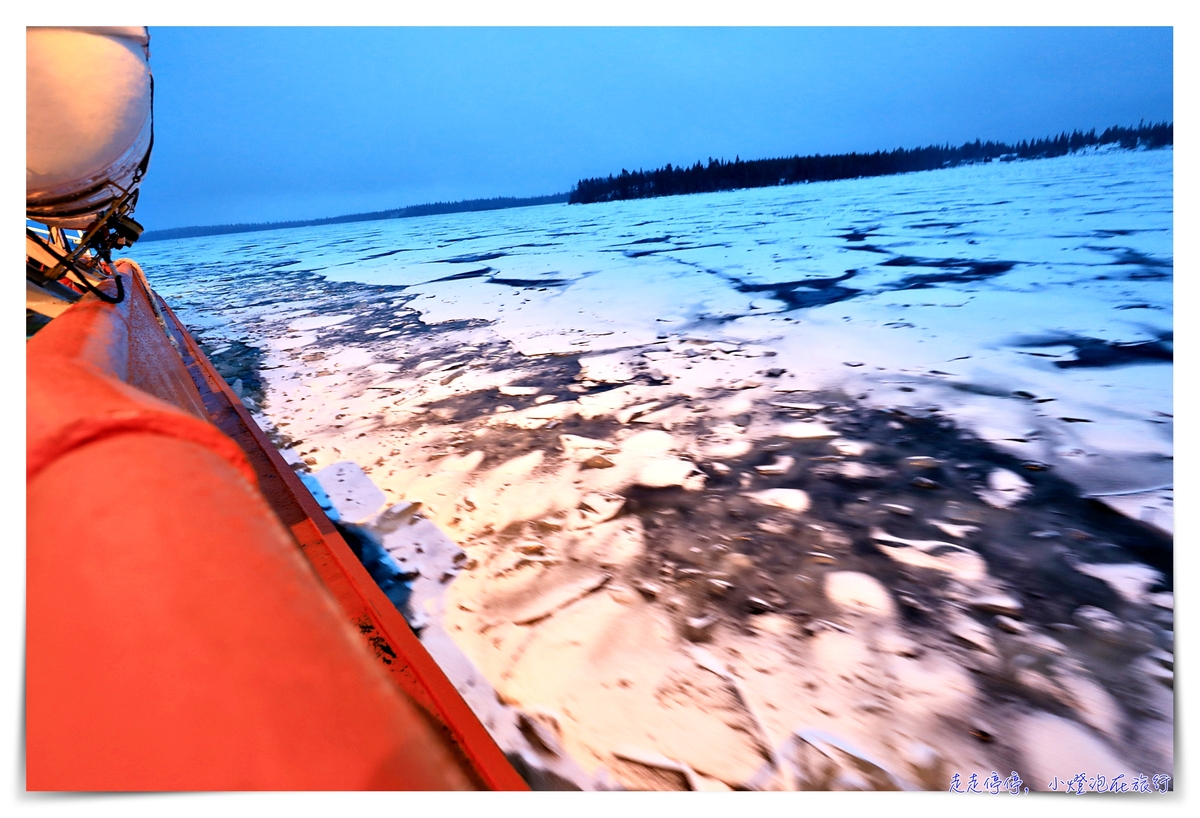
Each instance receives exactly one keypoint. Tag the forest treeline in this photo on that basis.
(722, 175)
(433, 209)
(719, 174)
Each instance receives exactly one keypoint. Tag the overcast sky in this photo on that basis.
(267, 124)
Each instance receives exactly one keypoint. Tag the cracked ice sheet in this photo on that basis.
(909, 366)
(935, 282)
(615, 308)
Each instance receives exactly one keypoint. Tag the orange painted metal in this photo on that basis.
(177, 638)
(382, 626)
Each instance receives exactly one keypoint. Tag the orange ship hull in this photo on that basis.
(194, 620)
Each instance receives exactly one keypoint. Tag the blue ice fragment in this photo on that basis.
(320, 496)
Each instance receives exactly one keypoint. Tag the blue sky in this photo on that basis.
(266, 124)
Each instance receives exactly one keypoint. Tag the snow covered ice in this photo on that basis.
(1029, 301)
(834, 432)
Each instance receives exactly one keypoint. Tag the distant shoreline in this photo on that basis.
(433, 209)
(720, 175)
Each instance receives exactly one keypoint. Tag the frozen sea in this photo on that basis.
(1030, 301)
